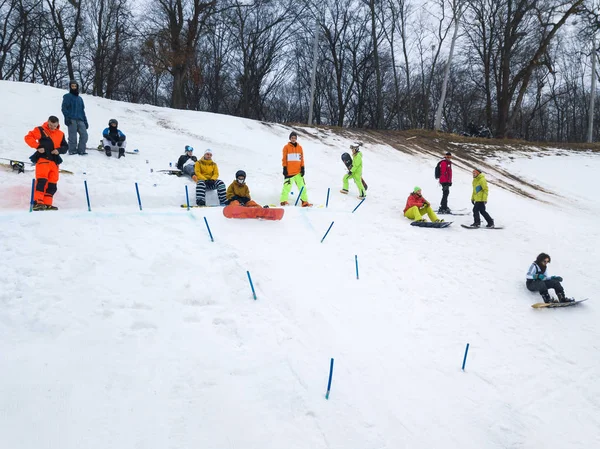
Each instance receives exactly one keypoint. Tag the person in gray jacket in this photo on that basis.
(73, 110)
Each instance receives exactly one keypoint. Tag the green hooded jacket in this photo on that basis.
(480, 189)
(357, 164)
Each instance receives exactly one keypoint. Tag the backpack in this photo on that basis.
(438, 170)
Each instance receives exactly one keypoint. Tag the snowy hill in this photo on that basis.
(128, 329)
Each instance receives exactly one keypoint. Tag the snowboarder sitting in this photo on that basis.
(417, 206)
(238, 193)
(355, 173)
(114, 139)
(208, 178)
(187, 162)
(538, 280)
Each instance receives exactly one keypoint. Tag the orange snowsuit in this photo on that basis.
(46, 163)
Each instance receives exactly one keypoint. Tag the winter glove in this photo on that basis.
(302, 171)
(113, 143)
(557, 278)
(210, 184)
(86, 125)
(473, 202)
(68, 121)
(285, 172)
(539, 277)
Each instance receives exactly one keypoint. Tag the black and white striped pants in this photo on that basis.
(203, 186)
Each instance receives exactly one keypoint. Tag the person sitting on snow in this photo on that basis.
(417, 206)
(238, 193)
(187, 162)
(538, 280)
(208, 178)
(114, 139)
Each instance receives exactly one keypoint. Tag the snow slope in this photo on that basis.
(124, 329)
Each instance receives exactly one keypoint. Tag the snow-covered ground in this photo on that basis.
(122, 328)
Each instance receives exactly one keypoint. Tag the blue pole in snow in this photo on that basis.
(327, 202)
(356, 262)
(465, 359)
(251, 284)
(138, 195)
(87, 195)
(187, 198)
(208, 227)
(327, 232)
(298, 197)
(32, 189)
(330, 376)
(361, 201)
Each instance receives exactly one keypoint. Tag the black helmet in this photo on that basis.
(112, 120)
(240, 174)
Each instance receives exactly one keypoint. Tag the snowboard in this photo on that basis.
(171, 171)
(115, 152)
(554, 305)
(22, 167)
(253, 212)
(347, 160)
(481, 227)
(195, 206)
(429, 224)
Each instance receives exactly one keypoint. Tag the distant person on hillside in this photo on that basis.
(208, 178)
(539, 280)
(114, 139)
(187, 162)
(73, 110)
(479, 199)
(50, 143)
(354, 173)
(444, 173)
(417, 206)
(293, 170)
(238, 193)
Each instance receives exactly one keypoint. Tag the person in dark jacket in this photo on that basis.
(539, 280)
(114, 139)
(445, 181)
(50, 143)
(73, 110)
(187, 162)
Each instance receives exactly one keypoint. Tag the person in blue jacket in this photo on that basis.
(113, 139)
(73, 110)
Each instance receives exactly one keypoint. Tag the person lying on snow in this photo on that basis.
(238, 193)
(538, 280)
(417, 206)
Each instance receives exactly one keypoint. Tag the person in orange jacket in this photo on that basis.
(50, 143)
(417, 206)
(293, 170)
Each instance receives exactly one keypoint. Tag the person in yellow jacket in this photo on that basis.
(479, 199)
(238, 193)
(293, 170)
(208, 178)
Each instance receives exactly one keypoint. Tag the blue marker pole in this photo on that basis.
(208, 227)
(356, 262)
(138, 195)
(187, 198)
(327, 202)
(32, 189)
(465, 359)
(330, 376)
(298, 197)
(361, 201)
(87, 195)
(327, 232)
(251, 284)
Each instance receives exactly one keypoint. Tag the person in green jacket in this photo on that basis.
(355, 173)
(479, 199)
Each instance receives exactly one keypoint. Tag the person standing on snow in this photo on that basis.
(73, 110)
(114, 139)
(187, 162)
(293, 170)
(538, 280)
(417, 206)
(238, 193)
(208, 178)
(445, 179)
(355, 173)
(50, 143)
(479, 199)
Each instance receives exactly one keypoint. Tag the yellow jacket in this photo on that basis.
(206, 170)
(480, 189)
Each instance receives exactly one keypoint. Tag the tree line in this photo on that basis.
(522, 68)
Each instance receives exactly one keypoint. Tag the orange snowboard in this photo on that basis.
(253, 212)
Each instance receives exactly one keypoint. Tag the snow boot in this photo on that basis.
(475, 225)
(284, 203)
(107, 151)
(121, 153)
(344, 191)
(563, 298)
(490, 224)
(306, 204)
(200, 203)
(546, 297)
(39, 206)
